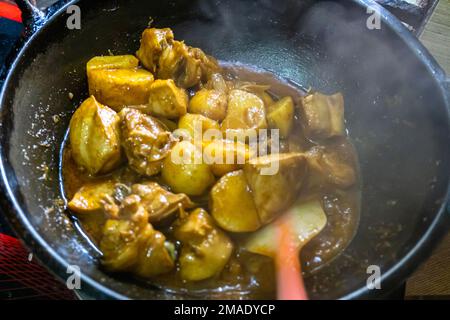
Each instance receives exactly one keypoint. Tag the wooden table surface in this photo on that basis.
(436, 35)
(432, 280)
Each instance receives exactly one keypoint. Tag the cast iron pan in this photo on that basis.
(397, 109)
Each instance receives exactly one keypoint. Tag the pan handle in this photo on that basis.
(33, 17)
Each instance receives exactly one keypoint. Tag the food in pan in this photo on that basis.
(166, 167)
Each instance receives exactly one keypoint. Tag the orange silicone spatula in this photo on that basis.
(290, 284)
(283, 239)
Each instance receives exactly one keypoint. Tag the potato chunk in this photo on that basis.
(118, 88)
(205, 249)
(225, 156)
(259, 90)
(232, 204)
(153, 42)
(323, 116)
(245, 111)
(275, 181)
(190, 123)
(184, 173)
(95, 137)
(209, 103)
(282, 116)
(90, 197)
(305, 220)
(167, 100)
(112, 62)
(145, 141)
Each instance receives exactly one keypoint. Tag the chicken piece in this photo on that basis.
(94, 204)
(245, 111)
(323, 116)
(130, 244)
(90, 197)
(167, 100)
(281, 116)
(209, 103)
(131, 209)
(160, 203)
(178, 63)
(297, 141)
(232, 205)
(95, 137)
(112, 206)
(275, 181)
(93, 225)
(118, 88)
(205, 248)
(328, 165)
(112, 62)
(225, 156)
(145, 141)
(186, 65)
(130, 247)
(155, 254)
(145, 202)
(208, 64)
(184, 170)
(119, 245)
(170, 59)
(153, 42)
(192, 122)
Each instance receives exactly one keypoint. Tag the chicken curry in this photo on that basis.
(182, 225)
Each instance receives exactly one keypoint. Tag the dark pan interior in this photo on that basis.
(395, 111)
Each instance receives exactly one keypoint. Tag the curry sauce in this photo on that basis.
(181, 226)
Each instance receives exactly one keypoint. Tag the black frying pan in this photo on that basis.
(397, 108)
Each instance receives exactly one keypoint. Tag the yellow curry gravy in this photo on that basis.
(246, 274)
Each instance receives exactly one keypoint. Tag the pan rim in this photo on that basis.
(29, 235)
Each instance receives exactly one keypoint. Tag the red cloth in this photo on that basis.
(10, 11)
(21, 277)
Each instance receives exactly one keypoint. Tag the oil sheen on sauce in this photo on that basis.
(246, 275)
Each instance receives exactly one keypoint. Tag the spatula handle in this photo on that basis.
(290, 285)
